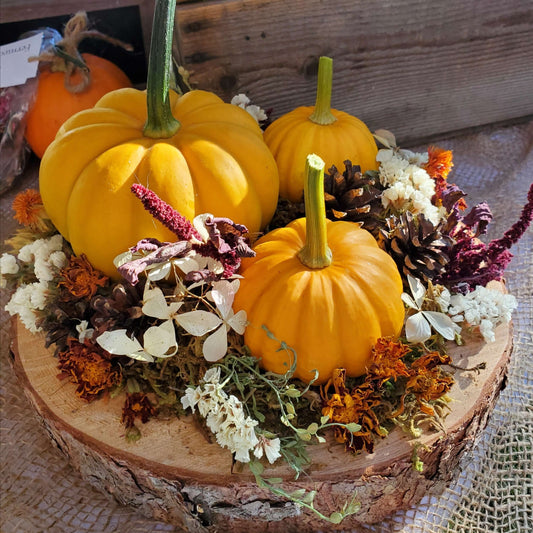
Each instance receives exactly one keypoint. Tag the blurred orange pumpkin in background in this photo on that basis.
(69, 82)
(54, 103)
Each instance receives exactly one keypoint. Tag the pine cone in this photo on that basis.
(354, 197)
(119, 309)
(286, 212)
(416, 245)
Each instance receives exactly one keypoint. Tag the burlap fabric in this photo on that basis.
(493, 488)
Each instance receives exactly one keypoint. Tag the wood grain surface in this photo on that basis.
(172, 472)
(415, 67)
(419, 68)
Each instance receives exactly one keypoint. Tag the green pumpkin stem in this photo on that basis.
(316, 252)
(322, 113)
(160, 123)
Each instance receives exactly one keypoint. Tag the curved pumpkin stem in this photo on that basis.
(322, 113)
(160, 123)
(65, 57)
(316, 252)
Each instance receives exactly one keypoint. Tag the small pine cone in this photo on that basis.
(416, 245)
(119, 309)
(354, 197)
(286, 212)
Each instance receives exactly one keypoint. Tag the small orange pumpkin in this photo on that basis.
(70, 82)
(54, 103)
(331, 134)
(328, 303)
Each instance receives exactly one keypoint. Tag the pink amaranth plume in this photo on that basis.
(227, 241)
(473, 262)
(166, 214)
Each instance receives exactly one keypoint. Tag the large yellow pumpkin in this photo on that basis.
(325, 288)
(194, 151)
(333, 135)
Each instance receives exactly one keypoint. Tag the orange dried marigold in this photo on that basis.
(137, 405)
(347, 407)
(439, 163)
(29, 210)
(386, 361)
(438, 167)
(81, 279)
(88, 366)
(428, 381)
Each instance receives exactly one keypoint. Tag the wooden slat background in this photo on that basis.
(416, 67)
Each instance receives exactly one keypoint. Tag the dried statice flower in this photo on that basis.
(242, 101)
(224, 415)
(482, 307)
(407, 186)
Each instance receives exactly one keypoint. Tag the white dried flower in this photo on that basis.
(269, 447)
(242, 101)
(8, 264)
(199, 322)
(20, 304)
(415, 158)
(212, 375)
(84, 331)
(443, 299)
(482, 307)
(224, 415)
(39, 295)
(46, 256)
(58, 259)
(407, 185)
(256, 112)
(418, 326)
(485, 328)
(191, 397)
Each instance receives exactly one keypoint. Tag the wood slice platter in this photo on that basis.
(173, 474)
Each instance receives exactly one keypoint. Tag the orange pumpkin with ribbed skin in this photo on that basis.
(197, 153)
(333, 135)
(332, 315)
(216, 162)
(54, 103)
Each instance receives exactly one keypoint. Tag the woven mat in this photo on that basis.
(493, 489)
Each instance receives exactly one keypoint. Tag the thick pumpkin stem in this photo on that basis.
(316, 252)
(160, 124)
(322, 113)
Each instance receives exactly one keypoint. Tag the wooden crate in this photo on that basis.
(416, 67)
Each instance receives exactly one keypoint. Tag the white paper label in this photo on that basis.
(15, 68)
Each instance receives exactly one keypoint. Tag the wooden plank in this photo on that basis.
(416, 67)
